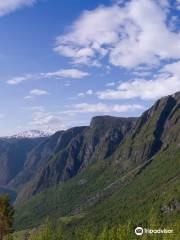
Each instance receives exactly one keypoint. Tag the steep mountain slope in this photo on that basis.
(153, 187)
(13, 153)
(155, 130)
(74, 150)
(35, 160)
(141, 173)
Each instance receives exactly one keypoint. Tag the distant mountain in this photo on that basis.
(13, 154)
(32, 134)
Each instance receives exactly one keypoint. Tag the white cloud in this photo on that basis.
(28, 97)
(47, 120)
(34, 108)
(103, 108)
(62, 73)
(38, 92)
(67, 73)
(173, 68)
(81, 94)
(141, 73)
(18, 80)
(89, 92)
(7, 6)
(138, 34)
(166, 82)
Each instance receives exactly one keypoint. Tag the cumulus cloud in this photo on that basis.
(104, 108)
(166, 82)
(62, 73)
(20, 79)
(67, 73)
(38, 92)
(28, 97)
(89, 92)
(7, 6)
(138, 34)
(51, 121)
(47, 121)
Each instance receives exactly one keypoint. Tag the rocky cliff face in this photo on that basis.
(75, 149)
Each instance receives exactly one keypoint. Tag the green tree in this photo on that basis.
(6, 216)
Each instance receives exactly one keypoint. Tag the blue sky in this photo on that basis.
(62, 62)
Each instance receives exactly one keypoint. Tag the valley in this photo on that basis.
(103, 173)
(89, 120)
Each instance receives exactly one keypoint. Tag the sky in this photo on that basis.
(63, 62)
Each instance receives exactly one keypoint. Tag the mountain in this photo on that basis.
(129, 164)
(68, 153)
(35, 160)
(114, 171)
(31, 134)
(13, 153)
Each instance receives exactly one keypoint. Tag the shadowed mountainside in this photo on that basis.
(13, 154)
(68, 153)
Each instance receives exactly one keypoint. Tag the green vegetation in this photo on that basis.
(64, 199)
(155, 184)
(57, 231)
(6, 216)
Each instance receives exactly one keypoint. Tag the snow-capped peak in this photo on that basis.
(32, 134)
